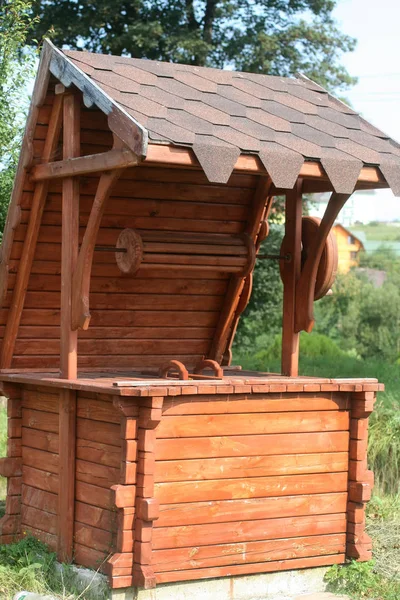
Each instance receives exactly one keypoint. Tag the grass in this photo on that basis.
(379, 231)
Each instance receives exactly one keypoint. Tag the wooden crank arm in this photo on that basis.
(81, 278)
(305, 288)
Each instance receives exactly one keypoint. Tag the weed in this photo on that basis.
(361, 580)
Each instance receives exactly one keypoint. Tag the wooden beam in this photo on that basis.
(184, 157)
(69, 238)
(291, 274)
(305, 287)
(236, 283)
(68, 337)
(82, 273)
(28, 251)
(117, 158)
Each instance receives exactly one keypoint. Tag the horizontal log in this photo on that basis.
(44, 421)
(14, 447)
(40, 519)
(102, 454)
(43, 480)
(250, 423)
(35, 400)
(246, 403)
(46, 501)
(97, 410)
(112, 347)
(95, 474)
(98, 539)
(257, 487)
(124, 318)
(104, 433)
(94, 516)
(248, 552)
(251, 445)
(249, 466)
(94, 495)
(247, 569)
(45, 461)
(102, 362)
(89, 557)
(42, 440)
(10, 467)
(82, 165)
(46, 538)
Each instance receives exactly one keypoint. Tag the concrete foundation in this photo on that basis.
(285, 585)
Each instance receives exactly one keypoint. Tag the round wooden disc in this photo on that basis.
(129, 261)
(327, 268)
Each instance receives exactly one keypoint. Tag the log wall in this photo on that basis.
(186, 487)
(155, 315)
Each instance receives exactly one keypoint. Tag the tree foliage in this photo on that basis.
(278, 37)
(16, 67)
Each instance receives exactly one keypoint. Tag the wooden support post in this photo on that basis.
(360, 479)
(236, 284)
(68, 337)
(28, 251)
(69, 238)
(291, 274)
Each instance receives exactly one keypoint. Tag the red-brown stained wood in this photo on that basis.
(248, 466)
(249, 445)
(249, 552)
(34, 517)
(40, 499)
(189, 426)
(258, 487)
(220, 511)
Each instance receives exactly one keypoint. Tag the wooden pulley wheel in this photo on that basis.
(328, 264)
(129, 251)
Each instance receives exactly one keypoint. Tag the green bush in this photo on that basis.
(360, 580)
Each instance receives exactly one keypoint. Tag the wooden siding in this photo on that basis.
(250, 484)
(141, 320)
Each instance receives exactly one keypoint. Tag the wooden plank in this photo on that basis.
(37, 400)
(43, 480)
(47, 538)
(259, 403)
(40, 499)
(28, 251)
(291, 274)
(88, 557)
(251, 423)
(102, 454)
(113, 159)
(43, 421)
(257, 487)
(249, 466)
(97, 410)
(95, 474)
(45, 461)
(98, 539)
(97, 496)
(113, 346)
(94, 516)
(179, 559)
(251, 445)
(34, 517)
(42, 440)
(206, 523)
(98, 362)
(247, 569)
(104, 433)
(69, 244)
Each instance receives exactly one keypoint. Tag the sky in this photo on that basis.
(376, 62)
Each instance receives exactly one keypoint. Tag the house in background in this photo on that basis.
(349, 247)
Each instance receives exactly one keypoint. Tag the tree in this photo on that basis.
(17, 64)
(278, 37)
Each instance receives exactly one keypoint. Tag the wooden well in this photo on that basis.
(134, 445)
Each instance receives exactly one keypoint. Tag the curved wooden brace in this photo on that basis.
(207, 363)
(177, 366)
(80, 317)
(305, 288)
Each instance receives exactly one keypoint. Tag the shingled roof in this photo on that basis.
(222, 114)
